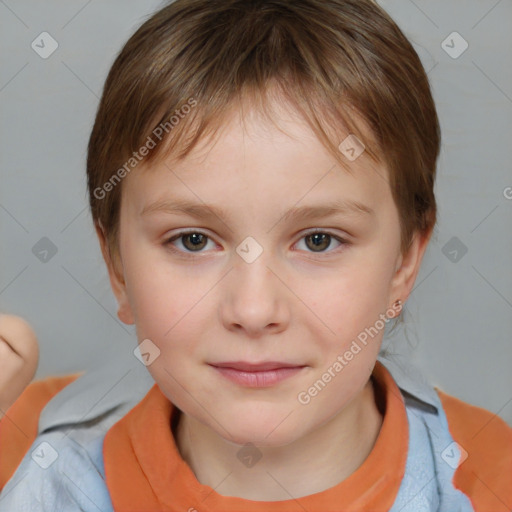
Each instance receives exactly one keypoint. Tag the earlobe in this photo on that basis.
(116, 278)
(125, 313)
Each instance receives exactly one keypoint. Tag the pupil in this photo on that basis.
(319, 240)
(197, 239)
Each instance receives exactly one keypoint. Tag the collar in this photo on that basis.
(161, 480)
(115, 385)
(411, 381)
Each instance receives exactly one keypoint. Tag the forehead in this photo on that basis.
(266, 161)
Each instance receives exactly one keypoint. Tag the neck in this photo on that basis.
(311, 464)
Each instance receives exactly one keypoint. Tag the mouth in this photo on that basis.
(257, 375)
(256, 367)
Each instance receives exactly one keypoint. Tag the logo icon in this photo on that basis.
(351, 147)
(249, 250)
(454, 249)
(454, 45)
(249, 455)
(146, 352)
(454, 455)
(44, 45)
(44, 250)
(44, 455)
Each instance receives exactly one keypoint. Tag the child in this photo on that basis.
(261, 181)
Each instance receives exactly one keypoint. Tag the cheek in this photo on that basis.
(151, 291)
(350, 302)
(166, 305)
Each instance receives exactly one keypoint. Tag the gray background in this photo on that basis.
(459, 318)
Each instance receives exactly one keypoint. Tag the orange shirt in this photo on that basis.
(166, 482)
(146, 472)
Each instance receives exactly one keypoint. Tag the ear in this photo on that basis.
(408, 266)
(116, 277)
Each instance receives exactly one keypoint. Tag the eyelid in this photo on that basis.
(327, 231)
(343, 240)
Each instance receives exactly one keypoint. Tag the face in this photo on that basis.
(258, 278)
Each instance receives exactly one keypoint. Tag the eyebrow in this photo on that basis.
(307, 212)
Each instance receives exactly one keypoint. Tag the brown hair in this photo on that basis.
(193, 61)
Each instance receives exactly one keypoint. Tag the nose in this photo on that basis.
(254, 298)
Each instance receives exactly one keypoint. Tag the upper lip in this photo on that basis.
(255, 367)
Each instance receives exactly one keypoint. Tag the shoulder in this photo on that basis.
(63, 470)
(62, 467)
(485, 466)
(484, 440)
(19, 426)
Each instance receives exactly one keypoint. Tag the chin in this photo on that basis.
(260, 439)
(271, 431)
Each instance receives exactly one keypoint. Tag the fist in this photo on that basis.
(19, 355)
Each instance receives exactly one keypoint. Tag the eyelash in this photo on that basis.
(168, 243)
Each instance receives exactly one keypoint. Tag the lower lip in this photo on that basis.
(260, 379)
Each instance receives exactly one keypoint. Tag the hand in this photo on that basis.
(19, 356)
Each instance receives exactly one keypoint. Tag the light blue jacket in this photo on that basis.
(63, 469)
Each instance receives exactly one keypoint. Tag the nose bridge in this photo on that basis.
(256, 295)
(252, 265)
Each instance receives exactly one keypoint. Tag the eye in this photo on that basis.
(194, 241)
(319, 240)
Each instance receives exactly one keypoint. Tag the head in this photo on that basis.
(244, 108)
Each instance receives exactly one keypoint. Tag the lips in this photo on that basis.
(257, 375)
(256, 367)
